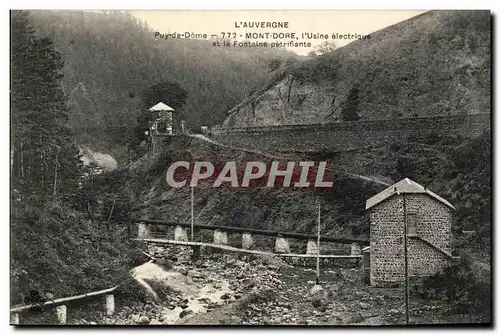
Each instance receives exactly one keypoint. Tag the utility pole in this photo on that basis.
(405, 232)
(317, 243)
(407, 289)
(192, 214)
(56, 165)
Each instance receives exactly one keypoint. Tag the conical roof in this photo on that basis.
(161, 107)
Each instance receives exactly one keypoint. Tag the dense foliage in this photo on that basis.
(59, 244)
(466, 286)
(458, 170)
(111, 57)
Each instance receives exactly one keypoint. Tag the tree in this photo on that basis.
(43, 156)
(350, 110)
(274, 64)
(170, 93)
(322, 49)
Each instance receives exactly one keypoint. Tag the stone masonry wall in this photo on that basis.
(387, 238)
(348, 136)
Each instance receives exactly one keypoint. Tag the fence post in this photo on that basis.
(14, 319)
(355, 249)
(220, 237)
(281, 246)
(312, 247)
(110, 304)
(61, 314)
(142, 230)
(247, 241)
(180, 234)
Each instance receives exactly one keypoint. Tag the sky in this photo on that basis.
(324, 22)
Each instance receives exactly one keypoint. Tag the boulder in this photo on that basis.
(143, 320)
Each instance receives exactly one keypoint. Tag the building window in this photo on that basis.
(411, 223)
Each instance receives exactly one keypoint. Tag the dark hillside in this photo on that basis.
(437, 63)
(111, 57)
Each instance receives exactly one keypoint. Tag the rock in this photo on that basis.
(143, 320)
(183, 271)
(196, 274)
(318, 302)
(184, 306)
(234, 320)
(240, 264)
(231, 261)
(225, 296)
(316, 289)
(171, 307)
(92, 323)
(356, 318)
(185, 312)
(266, 321)
(364, 305)
(310, 282)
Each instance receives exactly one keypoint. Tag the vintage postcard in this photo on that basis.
(241, 167)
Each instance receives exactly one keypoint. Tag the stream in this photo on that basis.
(194, 297)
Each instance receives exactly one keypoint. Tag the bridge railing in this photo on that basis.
(250, 238)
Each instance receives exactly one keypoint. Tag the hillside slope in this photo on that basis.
(437, 63)
(111, 57)
(437, 163)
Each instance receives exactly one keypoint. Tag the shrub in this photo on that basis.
(465, 285)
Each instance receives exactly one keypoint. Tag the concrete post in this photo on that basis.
(180, 234)
(110, 304)
(220, 237)
(281, 246)
(355, 249)
(61, 314)
(246, 241)
(142, 231)
(14, 319)
(312, 247)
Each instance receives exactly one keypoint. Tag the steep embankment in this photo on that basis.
(434, 161)
(285, 209)
(437, 63)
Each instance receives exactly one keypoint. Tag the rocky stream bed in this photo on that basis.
(240, 289)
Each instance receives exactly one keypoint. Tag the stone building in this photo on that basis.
(163, 119)
(428, 221)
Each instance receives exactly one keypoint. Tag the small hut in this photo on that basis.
(408, 207)
(163, 119)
